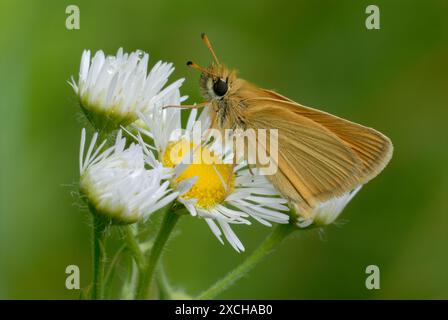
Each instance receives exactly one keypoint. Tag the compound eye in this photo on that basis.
(220, 87)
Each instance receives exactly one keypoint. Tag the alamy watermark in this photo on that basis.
(373, 18)
(72, 282)
(373, 280)
(72, 22)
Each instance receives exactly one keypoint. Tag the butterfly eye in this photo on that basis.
(220, 87)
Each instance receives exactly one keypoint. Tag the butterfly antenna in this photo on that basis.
(193, 65)
(209, 46)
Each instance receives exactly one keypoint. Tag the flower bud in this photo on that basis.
(113, 89)
(118, 186)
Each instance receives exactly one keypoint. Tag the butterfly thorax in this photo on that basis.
(226, 94)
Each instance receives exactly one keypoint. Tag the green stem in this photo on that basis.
(113, 263)
(133, 247)
(168, 223)
(163, 284)
(271, 242)
(99, 258)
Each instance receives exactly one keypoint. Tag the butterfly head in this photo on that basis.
(216, 80)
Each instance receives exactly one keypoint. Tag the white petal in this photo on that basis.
(212, 225)
(231, 236)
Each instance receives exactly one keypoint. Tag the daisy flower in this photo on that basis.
(219, 192)
(116, 183)
(327, 212)
(113, 89)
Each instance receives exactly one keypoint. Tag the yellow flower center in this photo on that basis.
(215, 180)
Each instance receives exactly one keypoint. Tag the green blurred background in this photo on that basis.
(318, 53)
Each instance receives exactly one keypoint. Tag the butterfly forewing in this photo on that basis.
(372, 147)
(314, 160)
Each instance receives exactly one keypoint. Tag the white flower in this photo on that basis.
(327, 212)
(222, 194)
(112, 89)
(252, 196)
(116, 183)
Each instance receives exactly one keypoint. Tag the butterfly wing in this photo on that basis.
(320, 156)
(372, 147)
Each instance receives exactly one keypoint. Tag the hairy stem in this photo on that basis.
(99, 257)
(163, 284)
(267, 246)
(133, 247)
(146, 276)
(112, 266)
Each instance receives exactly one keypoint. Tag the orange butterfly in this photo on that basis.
(320, 156)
